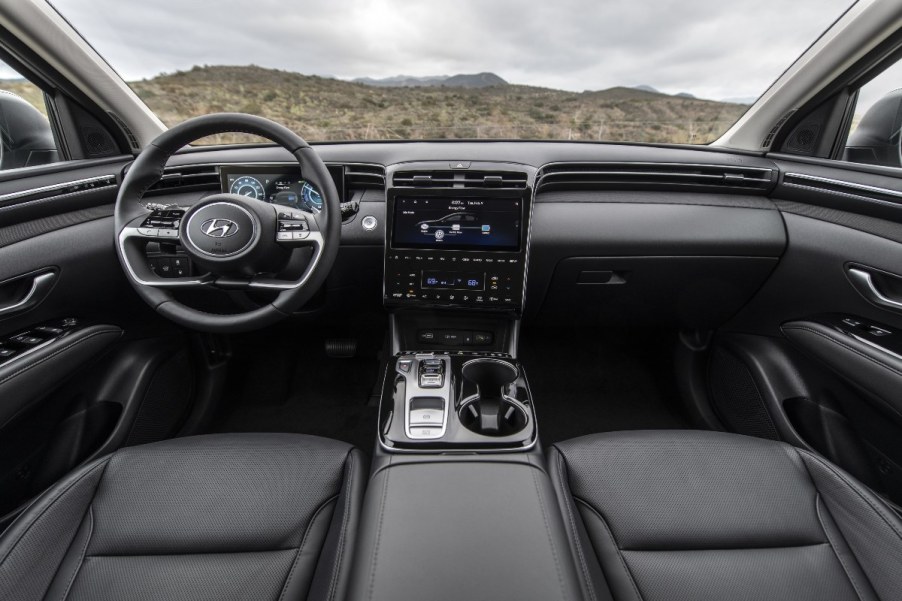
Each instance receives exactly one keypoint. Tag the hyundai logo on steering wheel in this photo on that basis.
(219, 228)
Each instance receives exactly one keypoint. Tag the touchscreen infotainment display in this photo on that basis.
(457, 224)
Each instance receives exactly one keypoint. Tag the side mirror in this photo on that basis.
(25, 135)
(876, 140)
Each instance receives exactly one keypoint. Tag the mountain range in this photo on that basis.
(461, 80)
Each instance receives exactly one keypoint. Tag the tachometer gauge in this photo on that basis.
(248, 186)
(312, 198)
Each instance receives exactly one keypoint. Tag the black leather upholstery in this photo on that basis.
(236, 516)
(706, 515)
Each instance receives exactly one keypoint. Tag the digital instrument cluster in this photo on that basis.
(283, 186)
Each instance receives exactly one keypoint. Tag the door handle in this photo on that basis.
(863, 281)
(40, 285)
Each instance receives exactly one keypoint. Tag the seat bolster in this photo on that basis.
(872, 532)
(595, 587)
(34, 546)
(330, 580)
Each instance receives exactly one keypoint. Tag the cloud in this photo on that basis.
(710, 48)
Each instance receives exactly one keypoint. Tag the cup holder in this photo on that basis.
(490, 411)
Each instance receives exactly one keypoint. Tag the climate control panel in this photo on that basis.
(453, 278)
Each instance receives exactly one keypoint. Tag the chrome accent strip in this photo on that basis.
(841, 183)
(54, 187)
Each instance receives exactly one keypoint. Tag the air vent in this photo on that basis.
(460, 179)
(132, 140)
(187, 178)
(769, 139)
(494, 179)
(423, 179)
(360, 177)
(654, 176)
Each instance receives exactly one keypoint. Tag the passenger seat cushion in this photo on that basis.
(208, 517)
(707, 515)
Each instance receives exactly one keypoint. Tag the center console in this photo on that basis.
(456, 253)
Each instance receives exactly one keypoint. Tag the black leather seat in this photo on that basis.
(236, 516)
(710, 516)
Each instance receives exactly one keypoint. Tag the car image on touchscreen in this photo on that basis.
(457, 224)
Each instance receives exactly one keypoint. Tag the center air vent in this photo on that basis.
(460, 179)
(360, 177)
(655, 176)
(187, 178)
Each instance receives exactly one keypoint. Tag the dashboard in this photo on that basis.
(554, 233)
(280, 185)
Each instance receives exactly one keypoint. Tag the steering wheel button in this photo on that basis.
(169, 233)
(284, 235)
(148, 231)
(299, 235)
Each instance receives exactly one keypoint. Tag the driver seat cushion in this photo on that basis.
(226, 516)
(701, 516)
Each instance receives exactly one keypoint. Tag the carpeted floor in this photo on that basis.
(587, 381)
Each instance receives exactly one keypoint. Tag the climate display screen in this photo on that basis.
(457, 224)
(453, 280)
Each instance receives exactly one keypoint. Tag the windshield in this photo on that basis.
(666, 71)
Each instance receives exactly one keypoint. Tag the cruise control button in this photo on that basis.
(284, 235)
(148, 231)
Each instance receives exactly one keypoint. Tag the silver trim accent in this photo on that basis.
(413, 390)
(53, 187)
(844, 184)
(39, 284)
(866, 286)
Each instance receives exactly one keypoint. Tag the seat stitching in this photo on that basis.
(616, 547)
(842, 562)
(297, 556)
(50, 505)
(573, 530)
(855, 489)
(333, 585)
(372, 587)
(557, 563)
(81, 558)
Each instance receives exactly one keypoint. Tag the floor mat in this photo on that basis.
(277, 386)
(587, 381)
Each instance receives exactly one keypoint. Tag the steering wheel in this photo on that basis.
(241, 243)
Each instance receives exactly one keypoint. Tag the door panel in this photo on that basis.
(825, 382)
(82, 360)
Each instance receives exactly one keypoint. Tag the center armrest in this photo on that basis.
(454, 528)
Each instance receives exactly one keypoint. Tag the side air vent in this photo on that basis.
(360, 177)
(769, 138)
(132, 140)
(460, 179)
(188, 178)
(654, 176)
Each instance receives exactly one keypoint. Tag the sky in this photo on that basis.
(715, 49)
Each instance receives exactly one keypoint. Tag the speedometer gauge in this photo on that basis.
(248, 186)
(311, 196)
